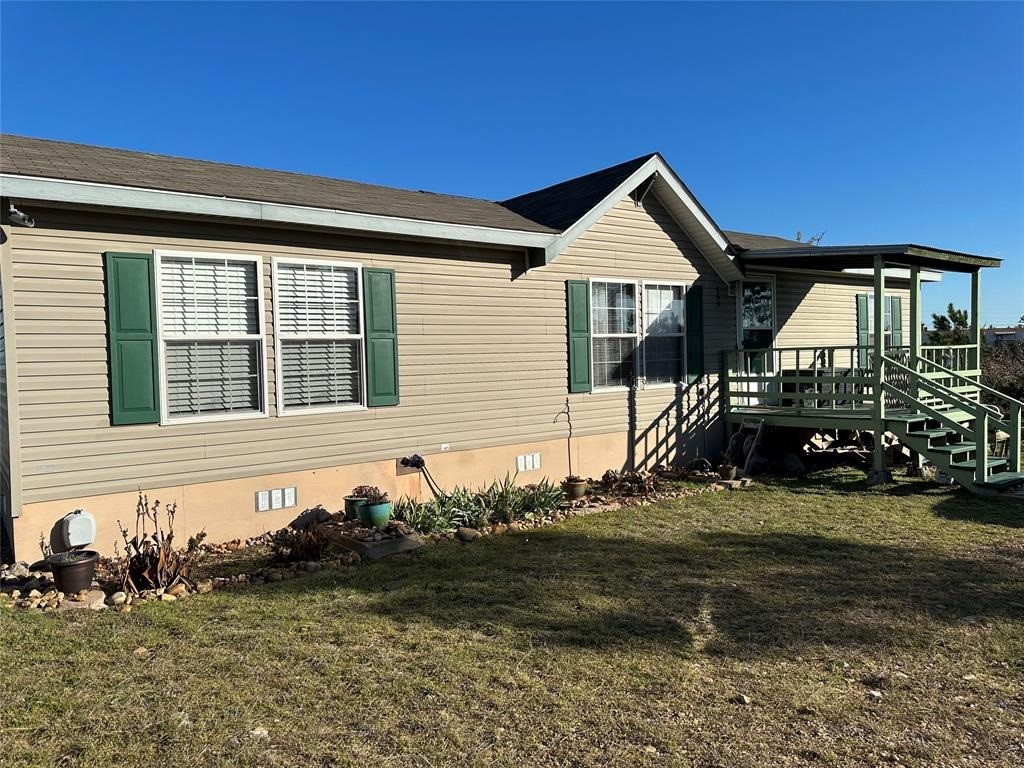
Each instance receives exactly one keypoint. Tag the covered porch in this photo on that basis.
(930, 396)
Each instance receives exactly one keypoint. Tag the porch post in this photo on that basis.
(975, 336)
(915, 346)
(878, 472)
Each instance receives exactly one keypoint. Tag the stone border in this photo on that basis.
(34, 590)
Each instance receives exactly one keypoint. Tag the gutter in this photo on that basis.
(115, 196)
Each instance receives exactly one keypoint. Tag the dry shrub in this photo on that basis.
(150, 560)
(629, 483)
(293, 545)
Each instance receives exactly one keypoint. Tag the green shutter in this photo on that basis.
(578, 324)
(132, 338)
(862, 329)
(381, 330)
(897, 320)
(694, 333)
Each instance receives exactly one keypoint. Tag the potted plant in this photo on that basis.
(574, 487)
(727, 470)
(376, 510)
(355, 500)
(73, 571)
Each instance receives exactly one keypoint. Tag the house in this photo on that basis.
(250, 342)
(1007, 334)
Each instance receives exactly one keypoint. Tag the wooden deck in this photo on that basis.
(935, 410)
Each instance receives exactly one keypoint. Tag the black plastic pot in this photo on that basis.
(73, 571)
(574, 490)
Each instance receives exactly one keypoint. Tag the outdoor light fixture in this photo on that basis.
(18, 217)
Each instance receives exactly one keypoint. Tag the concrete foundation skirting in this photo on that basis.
(226, 509)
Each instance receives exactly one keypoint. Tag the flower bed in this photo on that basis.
(324, 539)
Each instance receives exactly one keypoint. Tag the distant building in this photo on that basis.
(1007, 334)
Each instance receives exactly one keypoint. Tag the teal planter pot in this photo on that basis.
(375, 515)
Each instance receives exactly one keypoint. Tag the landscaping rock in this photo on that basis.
(178, 590)
(118, 598)
(19, 570)
(167, 597)
(204, 586)
(467, 534)
(98, 605)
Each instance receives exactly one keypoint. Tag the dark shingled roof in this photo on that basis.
(749, 242)
(562, 205)
(23, 156)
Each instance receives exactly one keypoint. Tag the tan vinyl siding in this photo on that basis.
(465, 331)
(482, 345)
(645, 243)
(10, 486)
(482, 352)
(821, 311)
(5, 436)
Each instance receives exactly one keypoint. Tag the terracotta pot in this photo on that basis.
(73, 571)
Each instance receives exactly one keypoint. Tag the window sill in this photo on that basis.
(320, 410)
(176, 420)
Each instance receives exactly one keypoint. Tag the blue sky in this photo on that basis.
(870, 122)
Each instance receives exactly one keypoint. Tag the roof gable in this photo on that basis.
(562, 205)
(575, 205)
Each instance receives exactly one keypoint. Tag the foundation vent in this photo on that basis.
(527, 462)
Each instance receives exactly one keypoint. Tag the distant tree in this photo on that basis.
(1020, 323)
(812, 240)
(1002, 368)
(950, 328)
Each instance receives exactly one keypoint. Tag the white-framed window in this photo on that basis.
(664, 332)
(318, 336)
(637, 332)
(888, 339)
(212, 344)
(613, 330)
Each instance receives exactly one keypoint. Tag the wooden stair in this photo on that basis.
(949, 450)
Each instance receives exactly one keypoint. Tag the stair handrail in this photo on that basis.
(943, 391)
(972, 382)
(1012, 422)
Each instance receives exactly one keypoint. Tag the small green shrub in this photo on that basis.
(501, 502)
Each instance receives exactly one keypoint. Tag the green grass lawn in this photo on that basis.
(620, 638)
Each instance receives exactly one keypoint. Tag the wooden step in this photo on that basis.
(954, 448)
(956, 415)
(972, 465)
(930, 433)
(1003, 480)
(907, 417)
